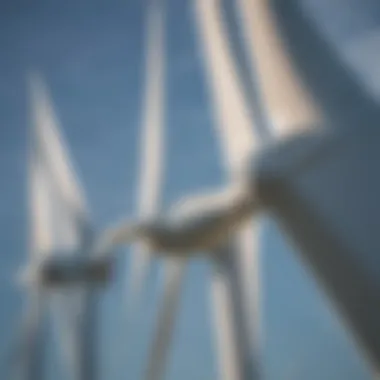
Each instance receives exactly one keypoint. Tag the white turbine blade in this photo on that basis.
(231, 113)
(69, 220)
(222, 299)
(228, 366)
(288, 103)
(151, 169)
(52, 145)
(238, 141)
(152, 153)
(41, 233)
(174, 271)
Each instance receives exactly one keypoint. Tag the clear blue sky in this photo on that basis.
(90, 54)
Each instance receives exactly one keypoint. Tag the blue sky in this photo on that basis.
(90, 54)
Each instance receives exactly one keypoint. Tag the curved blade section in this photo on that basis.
(238, 140)
(289, 106)
(230, 110)
(174, 270)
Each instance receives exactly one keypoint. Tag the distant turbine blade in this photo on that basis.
(41, 232)
(174, 271)
(238, 140)
(71, 230)
(152, 139)
(288, 104)
(51, 144)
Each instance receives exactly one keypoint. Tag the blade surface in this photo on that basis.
(289, 106)
(227, 301)
(230, 111)
(238, 140)
(52, 147)
(41, 232)
(151, 166)
(226, 350)
(151, 161)
(173, 276)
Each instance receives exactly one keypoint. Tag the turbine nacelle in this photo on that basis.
(198, 223)
(63, 270)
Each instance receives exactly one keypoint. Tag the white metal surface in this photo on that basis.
(173, 277)
(324, 190)
(324, 186)
(238, 141)
(152, 146)
(288, 104)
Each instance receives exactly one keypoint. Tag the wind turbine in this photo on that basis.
(231, 113)
(281, 40)
(320, 183)
(321, 186)
(59, 226)
(287, 104)
(297, 179)
(173, 271)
